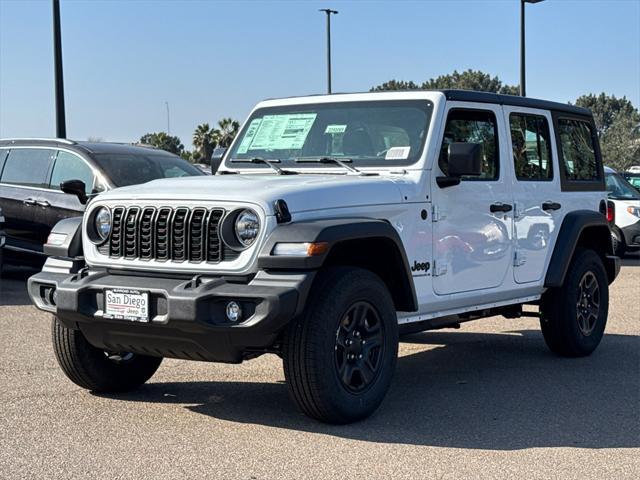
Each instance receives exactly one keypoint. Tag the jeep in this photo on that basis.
(335, 224)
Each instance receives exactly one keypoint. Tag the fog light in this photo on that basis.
(234, 311)
(54, 297)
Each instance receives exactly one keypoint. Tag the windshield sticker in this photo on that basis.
(248, 137)
(282, 132)
(397, 153)
(333, 129)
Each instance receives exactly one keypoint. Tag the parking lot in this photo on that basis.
(485, 401)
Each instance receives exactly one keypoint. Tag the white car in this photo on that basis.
(334, 224)
(626, 229)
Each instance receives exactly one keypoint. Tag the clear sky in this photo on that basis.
(211, 59)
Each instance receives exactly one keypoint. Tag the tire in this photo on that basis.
(348, 330)
(94, 369)
(619, 244)
(573, 317)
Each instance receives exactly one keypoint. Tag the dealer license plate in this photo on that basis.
(125, 304)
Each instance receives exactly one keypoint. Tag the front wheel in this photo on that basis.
(94, 369)
(340, 354)
(573, 317)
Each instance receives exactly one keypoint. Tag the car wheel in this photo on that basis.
(617, 239)
(93, 368)
(573, 317)
(340, 354)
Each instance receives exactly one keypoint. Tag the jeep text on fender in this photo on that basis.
(334, 224)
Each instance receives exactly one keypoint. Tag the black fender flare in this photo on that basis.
(586, 226)
(69, 239)
(335, 232)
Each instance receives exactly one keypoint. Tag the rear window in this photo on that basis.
(131, 169)
(577, 143)
(28, 167)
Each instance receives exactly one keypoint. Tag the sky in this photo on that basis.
(212, 59)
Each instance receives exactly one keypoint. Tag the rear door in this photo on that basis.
(23, 179)
(473, 220)
(538, 209)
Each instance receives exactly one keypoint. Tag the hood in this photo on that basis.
(301, 192)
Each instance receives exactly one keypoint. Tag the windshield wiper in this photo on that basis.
(337, 161)
(271, 163)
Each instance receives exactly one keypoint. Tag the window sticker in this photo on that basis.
(248, 137)
(397, 153)
(333, 129)
(281, 132)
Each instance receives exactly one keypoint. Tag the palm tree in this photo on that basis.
(205, 139)
(227, 130)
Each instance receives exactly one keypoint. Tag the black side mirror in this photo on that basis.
(216, 158)
(77, 188)
(464, 159)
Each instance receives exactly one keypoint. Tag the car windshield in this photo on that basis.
(134, 168)
(619, 189)
(382, 132)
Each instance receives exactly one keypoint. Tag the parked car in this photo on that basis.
(625, 230)
(206, 169)
(334, 224)
(633, 179)
(31, 171)
(2, 240)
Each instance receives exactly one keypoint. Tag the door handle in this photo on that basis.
(29, 201)
(43, 203)
(500, 207)
(551, 206)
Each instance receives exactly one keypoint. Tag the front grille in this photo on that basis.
(168, 234)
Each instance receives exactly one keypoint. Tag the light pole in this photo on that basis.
(168, 124)
(523, 90)
(61, 128)
(328, 11)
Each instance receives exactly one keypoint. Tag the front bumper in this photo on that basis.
(187, 317)
(632, 234)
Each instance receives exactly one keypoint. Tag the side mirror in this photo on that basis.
(216, 158)
(77, 188)
(464, 159)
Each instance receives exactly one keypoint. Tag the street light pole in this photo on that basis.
(61, 128)
(328, 11)
(168, 124)
(523, 90)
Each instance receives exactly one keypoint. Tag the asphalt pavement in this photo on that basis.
(485, 401)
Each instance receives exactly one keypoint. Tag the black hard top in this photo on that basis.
(482, 97)
(82, 147)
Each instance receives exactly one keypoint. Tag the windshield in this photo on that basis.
(619, 189)
(384, 133)
(133, 168)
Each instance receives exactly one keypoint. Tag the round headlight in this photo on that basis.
(102, 222)
(247, 227)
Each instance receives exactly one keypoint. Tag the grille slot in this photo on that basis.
(168, 234)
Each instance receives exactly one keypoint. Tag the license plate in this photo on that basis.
(125, 304)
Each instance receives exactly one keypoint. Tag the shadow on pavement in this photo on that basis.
(13, 285)
(472, 390)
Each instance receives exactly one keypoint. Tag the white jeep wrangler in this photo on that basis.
(334, 224)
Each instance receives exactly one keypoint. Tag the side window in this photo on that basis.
(531, 147)
(28, 167)
(578, 150)
(473, 126)
(71, 167)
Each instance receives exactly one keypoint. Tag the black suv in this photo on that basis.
(32, 170)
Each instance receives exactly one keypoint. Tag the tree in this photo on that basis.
(205, 139)
(227, 131)
(617, 123)
(467, 80)
(164, 141)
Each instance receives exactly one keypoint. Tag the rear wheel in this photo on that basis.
(93, 368)
(340, 354)
(573, 316)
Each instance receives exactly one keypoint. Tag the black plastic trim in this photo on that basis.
(72, 245)
(573, 225)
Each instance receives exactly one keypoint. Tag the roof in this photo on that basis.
(88, 147)
(465, 96)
